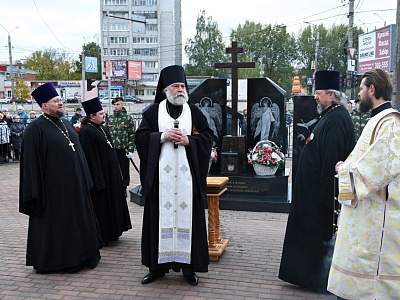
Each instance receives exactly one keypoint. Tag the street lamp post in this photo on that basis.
(11, 65)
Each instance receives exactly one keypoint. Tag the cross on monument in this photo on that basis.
(234, 66)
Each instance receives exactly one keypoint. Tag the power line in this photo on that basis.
(50, 28)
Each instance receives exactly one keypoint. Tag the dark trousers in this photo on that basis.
(124, 165)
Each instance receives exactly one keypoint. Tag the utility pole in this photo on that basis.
(396, 71)
(316, 55)
(350, 44)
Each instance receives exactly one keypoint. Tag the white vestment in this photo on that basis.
(175, 192)
(366, 259)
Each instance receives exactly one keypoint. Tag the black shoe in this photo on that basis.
(150, 277)
(192, 279)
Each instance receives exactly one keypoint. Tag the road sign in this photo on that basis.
(91, 64)
(351, 65)
(352, 52)
(309, 81)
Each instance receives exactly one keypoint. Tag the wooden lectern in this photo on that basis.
(216, 186)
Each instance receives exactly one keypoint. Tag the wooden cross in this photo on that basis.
(234, 66)
(71, 144)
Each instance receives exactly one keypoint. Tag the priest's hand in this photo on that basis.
(176, 136)
(337, 166)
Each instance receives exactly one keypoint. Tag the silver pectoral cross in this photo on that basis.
(108, 142)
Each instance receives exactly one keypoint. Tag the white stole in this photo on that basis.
(175, 192)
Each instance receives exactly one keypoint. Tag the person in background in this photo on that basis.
(4, 139)
(174, 145)
(243, 123)
(22, 115)
(359, 119)
(122, 130)
(63, 232)
(17, 130)
(108, 190)
(308, 245)
(77, 116)
(365, 262)
(288, 121)
(32, 117)
(7, 116)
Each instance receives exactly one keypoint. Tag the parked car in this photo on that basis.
(133, 99)
(105, 100)
(21, 100)
(72, 100)
(5, 100)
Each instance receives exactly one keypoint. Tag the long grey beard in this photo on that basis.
(179, 99)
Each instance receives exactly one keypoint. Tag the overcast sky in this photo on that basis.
(69, 24)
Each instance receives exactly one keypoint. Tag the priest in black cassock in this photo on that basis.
(174, 145)
(108, 191)
(55, 184)
(308, 246)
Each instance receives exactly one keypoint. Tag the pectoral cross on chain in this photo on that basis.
(109, 143)
(71, 144)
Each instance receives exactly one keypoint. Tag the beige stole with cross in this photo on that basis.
(175, 192)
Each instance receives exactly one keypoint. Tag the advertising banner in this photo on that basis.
(376, 50)
(118, 69)
(135, 70)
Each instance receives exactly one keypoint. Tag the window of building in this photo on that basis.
(144, 2)
(145, 40)
(146, 14)
(118, 40)
(151, 27)
(118, 52)
(140, 92)
(145, 52)
(151, 64)
(115, 2)
(150, 92)
(116, 27)
(149, 77)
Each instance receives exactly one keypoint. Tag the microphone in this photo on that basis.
(176, 125)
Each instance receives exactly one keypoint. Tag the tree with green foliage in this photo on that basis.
(272, 47)
(91, 49)
(52, 64)
(22, 91)
(205, 49)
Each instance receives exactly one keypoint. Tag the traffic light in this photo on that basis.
(89, 85)
(343, 81)
(354, 81)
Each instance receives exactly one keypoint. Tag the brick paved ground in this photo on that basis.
(247, 270)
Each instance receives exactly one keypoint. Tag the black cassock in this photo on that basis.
(108, 196)
(147, 140)
(55, 187)
(308, 246)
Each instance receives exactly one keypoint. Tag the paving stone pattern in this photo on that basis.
(247, 269)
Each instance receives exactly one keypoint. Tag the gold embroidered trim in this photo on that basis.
(371, 277)
(346, 196)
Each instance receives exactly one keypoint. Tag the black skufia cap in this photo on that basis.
(168, 76)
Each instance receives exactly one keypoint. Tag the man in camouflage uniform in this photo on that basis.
(359, 119)
(121, 127)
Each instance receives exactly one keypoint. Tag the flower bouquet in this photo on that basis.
(78, 126)
(266, 158)
(213, 157)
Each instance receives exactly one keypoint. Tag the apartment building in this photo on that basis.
(160, 45)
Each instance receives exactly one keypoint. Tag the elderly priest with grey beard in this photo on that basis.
(174, 146)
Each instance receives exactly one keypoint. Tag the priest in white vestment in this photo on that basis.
(366, 259)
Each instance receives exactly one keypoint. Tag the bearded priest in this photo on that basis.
(174, 145)
(365, 262)
(308, 246)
